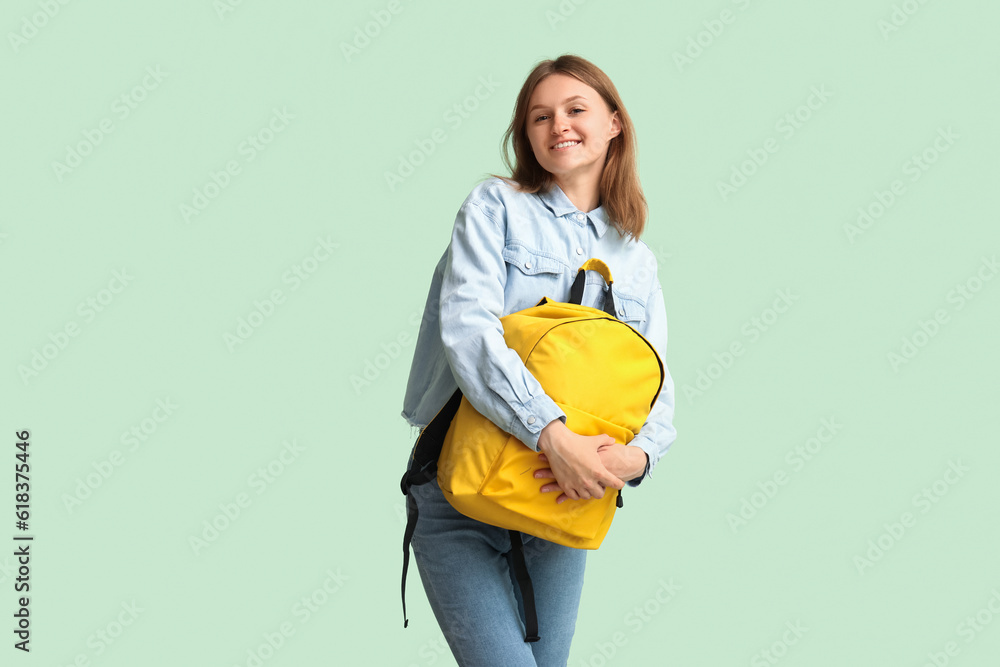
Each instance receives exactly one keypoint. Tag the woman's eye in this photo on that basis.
(542, 117)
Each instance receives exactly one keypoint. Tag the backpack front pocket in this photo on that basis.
(510, 482)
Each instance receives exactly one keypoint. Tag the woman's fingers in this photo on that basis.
(575, 463)
(554, 486)
(607, 480)
(563, 497)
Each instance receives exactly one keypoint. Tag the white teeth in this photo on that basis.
(566, 143)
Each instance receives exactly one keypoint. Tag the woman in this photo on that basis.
(573, 194)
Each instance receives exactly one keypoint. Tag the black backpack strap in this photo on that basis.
(423, 469)
(524, 583)
(411, 524)
(427, 449)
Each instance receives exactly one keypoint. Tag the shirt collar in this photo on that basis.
(560, 205)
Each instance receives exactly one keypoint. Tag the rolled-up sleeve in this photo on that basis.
(489, 373)
(657, 433)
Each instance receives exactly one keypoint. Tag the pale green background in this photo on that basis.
(337, 506)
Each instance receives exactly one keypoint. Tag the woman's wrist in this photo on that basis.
(640, 460)
(548, 434)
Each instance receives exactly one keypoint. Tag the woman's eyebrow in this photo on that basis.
(568, 99)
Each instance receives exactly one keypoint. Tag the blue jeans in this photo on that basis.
(464, 566)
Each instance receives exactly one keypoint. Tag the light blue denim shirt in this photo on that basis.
(508, 250)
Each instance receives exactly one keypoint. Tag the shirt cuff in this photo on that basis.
(532, 417)
(648, 446)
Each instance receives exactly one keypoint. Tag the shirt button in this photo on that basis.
(531, 420)
(579, 216)
(579, 251)
(527, 265)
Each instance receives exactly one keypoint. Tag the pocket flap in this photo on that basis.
(630, 309)
(532, 262)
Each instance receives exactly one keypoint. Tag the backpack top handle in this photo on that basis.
(576, 292)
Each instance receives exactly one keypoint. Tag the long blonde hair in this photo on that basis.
(620, 190)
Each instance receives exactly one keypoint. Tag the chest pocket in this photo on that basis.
(630, 309)
(532, 262)
(531, 275)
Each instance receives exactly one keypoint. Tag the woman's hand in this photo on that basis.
(576, 463)
(625, 463)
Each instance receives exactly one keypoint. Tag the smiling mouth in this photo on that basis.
(563, 145)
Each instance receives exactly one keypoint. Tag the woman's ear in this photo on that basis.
(616, 127)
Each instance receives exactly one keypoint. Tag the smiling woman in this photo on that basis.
(570, 138)
(573, 194)
(571, 100)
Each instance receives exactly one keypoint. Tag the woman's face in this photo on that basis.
(569, 127)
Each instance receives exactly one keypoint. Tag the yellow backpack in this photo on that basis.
(602, 373)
